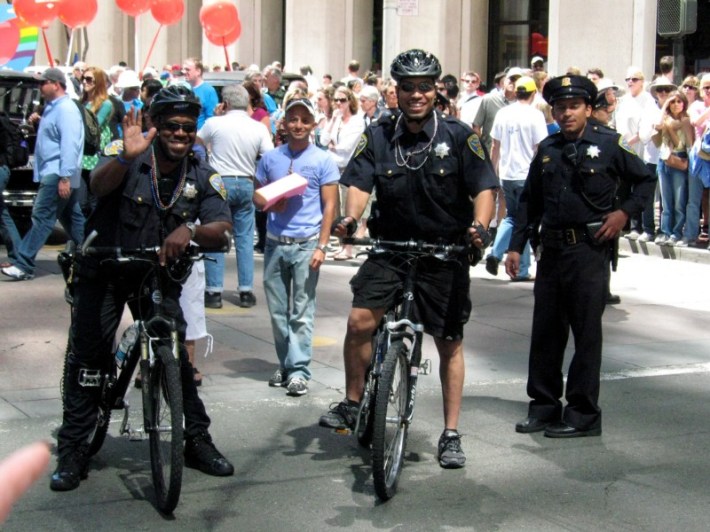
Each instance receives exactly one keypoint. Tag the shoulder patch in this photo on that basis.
(474, 143)
(217, 184)
(361, 145)
(114, 148)
(624, 145)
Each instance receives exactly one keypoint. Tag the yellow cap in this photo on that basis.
(525, 84)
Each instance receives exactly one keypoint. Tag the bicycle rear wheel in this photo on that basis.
(163, 418)
(390, 424)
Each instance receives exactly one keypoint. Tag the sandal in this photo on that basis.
(342, 256)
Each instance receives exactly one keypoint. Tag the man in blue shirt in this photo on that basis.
(57, 169)
(193, 70)
(298, 229)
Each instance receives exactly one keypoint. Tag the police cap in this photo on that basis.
(569, 86)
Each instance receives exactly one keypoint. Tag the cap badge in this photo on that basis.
(566, 82)
(441, 150)
(593, 152)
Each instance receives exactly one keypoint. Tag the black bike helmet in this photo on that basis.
(173, 100)
(414, 64)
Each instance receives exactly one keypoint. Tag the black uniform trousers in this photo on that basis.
(99, 301)
(570, 293)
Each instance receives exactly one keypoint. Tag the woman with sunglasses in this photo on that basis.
(94, 96)
(690, 89)
(676, 136)
(324, 112)
(341, 136)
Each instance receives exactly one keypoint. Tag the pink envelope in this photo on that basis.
(291, 185)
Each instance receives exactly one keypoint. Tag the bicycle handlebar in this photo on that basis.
(193, 252)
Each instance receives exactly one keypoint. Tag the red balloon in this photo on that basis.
(9, 39)
(133, 8)
(36, 13)
(219, 19)
(228, 39)
(77, 13)
(167, 11)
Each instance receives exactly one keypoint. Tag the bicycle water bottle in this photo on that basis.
(127, 342)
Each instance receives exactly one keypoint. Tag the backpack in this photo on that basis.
(14, 148)
(92, 133)
(114, 123)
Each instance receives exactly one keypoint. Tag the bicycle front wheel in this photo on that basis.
(390, 424)
(162, 411)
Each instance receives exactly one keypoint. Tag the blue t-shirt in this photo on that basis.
(209, 100)
(303, 215)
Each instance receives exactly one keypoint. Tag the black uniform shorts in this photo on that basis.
(441, 296)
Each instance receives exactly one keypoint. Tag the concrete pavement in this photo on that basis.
(648, 471)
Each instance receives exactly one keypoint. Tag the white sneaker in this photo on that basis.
(633, 235)
(672, 241)
(661, 240)
(645, 237)
(297, 386)
(685, 243)
(17, 274)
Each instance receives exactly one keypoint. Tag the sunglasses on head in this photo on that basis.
(634, 80)
(174, 127)
(340, 100)
(88, 79)
(422, 86)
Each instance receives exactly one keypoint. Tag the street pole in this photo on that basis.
(390, 35)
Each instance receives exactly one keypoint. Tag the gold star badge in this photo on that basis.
(441, 150)
(593, 152)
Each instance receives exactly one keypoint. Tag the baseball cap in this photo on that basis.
(128, 78)
(303, 102)
(536, 59)
(53, 74)
(525, 84)
(514, 72)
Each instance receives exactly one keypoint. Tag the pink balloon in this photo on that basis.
(36, 13)
(228, 39)
(133, 8)
(9, 39)
(219, 19)
(77, 13)
(167, 11)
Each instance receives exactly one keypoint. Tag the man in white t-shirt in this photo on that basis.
(470, 98)
(517, 131)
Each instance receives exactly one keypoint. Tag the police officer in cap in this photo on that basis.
(151, 189)
(425, 168)
(569, 198)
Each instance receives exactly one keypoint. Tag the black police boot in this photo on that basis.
(200, 453)
(71, 470)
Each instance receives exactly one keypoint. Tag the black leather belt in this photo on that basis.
(560, 238)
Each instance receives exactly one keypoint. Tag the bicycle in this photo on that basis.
(157, 352)
(387, 406)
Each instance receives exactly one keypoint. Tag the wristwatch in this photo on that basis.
(322, 247)
(193, 229)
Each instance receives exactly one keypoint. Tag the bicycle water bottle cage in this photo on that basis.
(90, 378)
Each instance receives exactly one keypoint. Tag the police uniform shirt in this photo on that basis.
(130, 214)
(430, 200)
(571, 183)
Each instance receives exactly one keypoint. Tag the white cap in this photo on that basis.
(128, 78)
(536, 59)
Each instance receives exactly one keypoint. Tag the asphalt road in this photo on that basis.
(648, 471)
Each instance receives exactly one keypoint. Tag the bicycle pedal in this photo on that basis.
(425, 367)
(135, 435)
(343, 432)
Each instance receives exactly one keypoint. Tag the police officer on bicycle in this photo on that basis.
(434, 183)
(151, 189)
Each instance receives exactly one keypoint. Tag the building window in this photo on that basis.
(518, 32)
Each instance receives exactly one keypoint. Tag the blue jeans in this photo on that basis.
(290, 287)
(47, 209)
(512, 190)
(8, 231)
(240, 191)
(692, 209)
(674, 196)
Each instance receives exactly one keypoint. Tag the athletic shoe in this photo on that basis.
(278, 379)
(450, 453)
(672, 241)
(645, 237)
(632, 235)
(661, 240)
(297, 386)
(341, 416)
(213, 300)
(17, 274)
(492, 265)
(247, 299)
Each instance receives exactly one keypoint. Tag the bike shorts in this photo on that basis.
(442, 302)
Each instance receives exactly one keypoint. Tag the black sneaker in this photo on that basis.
(246, 299)
(342, 416)
(200, 453)
(450, 453)
(71, 470)
(297, 386)
(278, 379)
(492, 265)
(213, 300)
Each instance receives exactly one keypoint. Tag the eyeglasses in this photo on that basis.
(87, 79)
(174, 127)
(340, 100)
(470, 80)
(690, 87)
(632, 80)
(422, 86)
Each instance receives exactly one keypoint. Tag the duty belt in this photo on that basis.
(561, 238)
(290, 239)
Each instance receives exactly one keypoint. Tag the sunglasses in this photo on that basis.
(690, 87)
(706, 89)
(633, 80)
(45, 81)
(87, 79)
(676, 101)
(174, 127)
(469, 80)
(664, 89)
(422, 86)
(340, 100)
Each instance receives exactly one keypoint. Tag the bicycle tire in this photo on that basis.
(163, 419)
(390, 425)
(367, 416)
